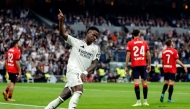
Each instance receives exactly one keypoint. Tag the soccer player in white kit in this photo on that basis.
(83, 58)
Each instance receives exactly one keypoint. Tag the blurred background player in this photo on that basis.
(83, 59)
(12, 66)
(138, 50)
(169, 59)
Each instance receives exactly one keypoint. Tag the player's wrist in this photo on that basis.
(61, 21)
(85, 72)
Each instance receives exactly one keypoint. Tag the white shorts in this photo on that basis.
(73, 78)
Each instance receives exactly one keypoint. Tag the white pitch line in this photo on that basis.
(95, 90)
(26, 105)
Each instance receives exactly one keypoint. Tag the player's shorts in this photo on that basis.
(169, 76)
(73, 78)
(13, 77)
(139, 71)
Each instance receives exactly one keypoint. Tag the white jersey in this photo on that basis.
(81, 55)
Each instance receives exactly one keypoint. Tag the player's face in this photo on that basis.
(19, 44)
(172, 43)
(92, 35)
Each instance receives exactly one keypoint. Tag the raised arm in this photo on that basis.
(61, 18)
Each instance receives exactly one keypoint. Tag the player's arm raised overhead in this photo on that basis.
(61, 18)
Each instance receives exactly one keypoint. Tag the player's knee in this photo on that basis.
(171, 84)
(145, 86)
(79, 93)
(136, 85)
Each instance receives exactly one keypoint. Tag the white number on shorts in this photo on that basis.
(168, 58)
(137, 49)
(10, 57)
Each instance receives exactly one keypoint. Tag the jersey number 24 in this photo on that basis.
(136, 50)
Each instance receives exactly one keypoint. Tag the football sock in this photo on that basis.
(145, 91)
(139, 101)
(55, 103)
(170, 91)
(7, 89)
(10, 95)
(145, 100)
(137, 91)
(74, 100)
(164, 88)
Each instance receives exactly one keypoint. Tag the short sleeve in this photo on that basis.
(17, 56)
(71, 40)
(97, 53)
(176, 55)
(128, 47)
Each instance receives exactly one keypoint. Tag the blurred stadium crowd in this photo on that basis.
(44, 53)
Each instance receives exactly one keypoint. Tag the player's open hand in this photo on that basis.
(148, 68)
(61, 17)
(83, 77)
(185, 68)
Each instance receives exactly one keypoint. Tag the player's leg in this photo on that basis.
(171, 85)
(66, 93)
(78, 90)
(165, 87)
(5, 93)
(144, 84)
(135, 75)
(76, 85)
(13, 79)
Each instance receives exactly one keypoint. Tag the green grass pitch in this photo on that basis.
(96, 96)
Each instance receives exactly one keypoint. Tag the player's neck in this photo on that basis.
(85, 40)
(136, 37)
(16, 46)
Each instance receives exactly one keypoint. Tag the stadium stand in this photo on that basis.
(44, 52)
